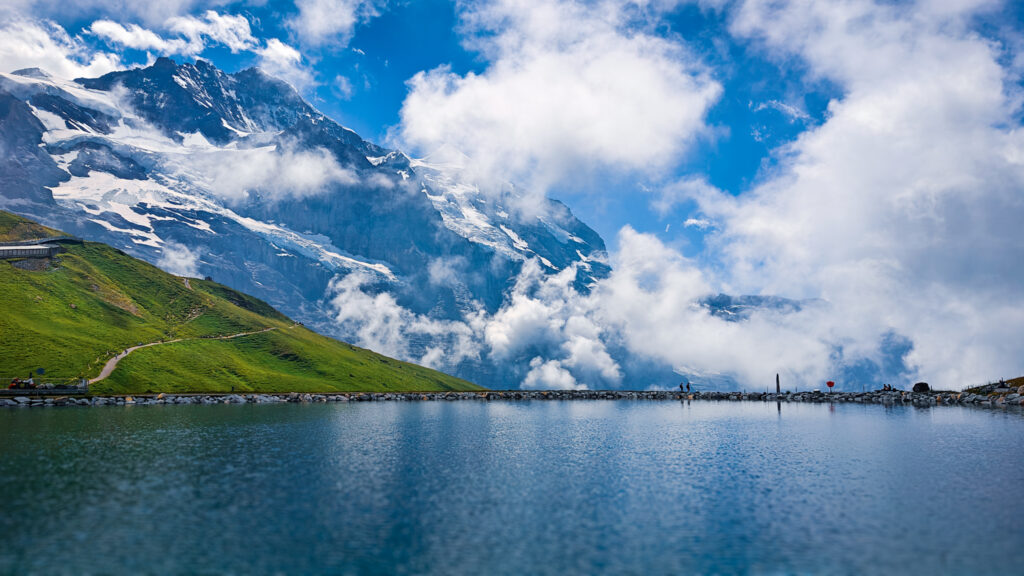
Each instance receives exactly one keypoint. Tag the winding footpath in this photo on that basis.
(112, 363)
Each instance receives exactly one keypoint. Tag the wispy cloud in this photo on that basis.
(271, 172)
(330, 22)
(281, 60)
(139, 38)
(792, 112)
(178, 259)
(189, 35)
(228, 30)
(26, 43)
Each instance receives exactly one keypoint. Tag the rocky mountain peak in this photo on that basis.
(33, 73)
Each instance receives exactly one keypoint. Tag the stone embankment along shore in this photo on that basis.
(1013, 399)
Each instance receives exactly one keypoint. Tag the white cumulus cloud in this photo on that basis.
(550, 375)
(569, 88)
(899, 210)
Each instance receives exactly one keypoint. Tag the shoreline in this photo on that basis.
(887, 398)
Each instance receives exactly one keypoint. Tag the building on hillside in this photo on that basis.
(29, 251)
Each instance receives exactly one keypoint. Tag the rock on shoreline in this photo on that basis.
(993, 400)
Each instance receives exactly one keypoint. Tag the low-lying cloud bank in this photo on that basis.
(648, 318)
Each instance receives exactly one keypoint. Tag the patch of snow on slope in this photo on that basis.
(101, 193)
(137, 236)
(560, 234)
(49, 120)
(65, 160)
(313, 246)
(516, 240)
(456, 202)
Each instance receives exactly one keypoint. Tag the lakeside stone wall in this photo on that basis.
(1010, 399)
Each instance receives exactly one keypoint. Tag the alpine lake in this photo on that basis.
(505, 487)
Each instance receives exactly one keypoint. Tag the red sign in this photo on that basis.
(830, 383)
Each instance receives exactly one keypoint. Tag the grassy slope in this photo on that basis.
(285, 360)
(14, 228)
(97, 300)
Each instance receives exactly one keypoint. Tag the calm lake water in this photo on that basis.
(511, 488)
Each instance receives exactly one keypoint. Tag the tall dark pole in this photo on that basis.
(778, 389)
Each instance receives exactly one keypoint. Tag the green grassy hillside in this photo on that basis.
(14, 228)
(70, 315)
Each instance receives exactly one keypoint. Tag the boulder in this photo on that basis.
(921, 387)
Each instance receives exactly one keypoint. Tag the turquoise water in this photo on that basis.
(511, 488)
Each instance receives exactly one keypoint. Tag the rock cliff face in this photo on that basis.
(236, 177)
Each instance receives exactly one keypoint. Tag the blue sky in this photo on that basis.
(865, 153)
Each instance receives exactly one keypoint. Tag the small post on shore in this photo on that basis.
(778, 389)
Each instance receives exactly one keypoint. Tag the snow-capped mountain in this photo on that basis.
(235, 176)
